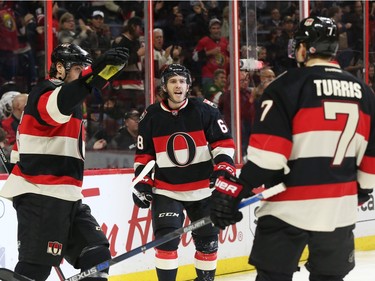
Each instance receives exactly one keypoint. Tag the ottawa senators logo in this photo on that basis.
(54, 248)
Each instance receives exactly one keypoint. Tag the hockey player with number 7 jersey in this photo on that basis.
(315, 132)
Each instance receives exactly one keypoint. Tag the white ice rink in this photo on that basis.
(364, 271)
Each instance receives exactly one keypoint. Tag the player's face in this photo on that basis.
(300, 53)
(177, 89)
(73, 73)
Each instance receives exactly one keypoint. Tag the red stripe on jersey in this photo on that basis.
(180, 140)
(166, 255)
(47, 179)
(271, 143)
(42, 109)
(205, 257)
(312, 119)
(143, 158)
(227, 143)
(30, 126)
(181, 186)
(367, 164)
(334, 190)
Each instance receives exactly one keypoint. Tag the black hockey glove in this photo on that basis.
(105, 67)
(225, 198)
(222, 169)
(144, 187)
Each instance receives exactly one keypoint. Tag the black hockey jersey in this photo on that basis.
(314, 132)
(50, 142)
(182, 142)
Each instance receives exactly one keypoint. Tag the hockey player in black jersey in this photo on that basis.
(315, 132)
(45, 183)
(185, 136)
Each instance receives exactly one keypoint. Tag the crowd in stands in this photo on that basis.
(193, 33)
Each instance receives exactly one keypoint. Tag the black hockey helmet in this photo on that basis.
(320, 35)
(69, 54)
(173, 70)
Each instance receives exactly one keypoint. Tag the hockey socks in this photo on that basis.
(205, 266)
(166, 263)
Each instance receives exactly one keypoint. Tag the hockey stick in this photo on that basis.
(8, 275)
(140, 177)
(170, 236)
(4, 161)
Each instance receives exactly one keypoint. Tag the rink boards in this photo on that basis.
(127, 227)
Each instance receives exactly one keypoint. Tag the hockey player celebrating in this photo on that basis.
(181, 134)
(45, 183)
(316, 134)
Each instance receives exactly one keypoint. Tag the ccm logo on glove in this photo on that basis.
(225, 167)
(228, 187)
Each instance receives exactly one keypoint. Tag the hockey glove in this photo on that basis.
(224, 202)
(144, 187)
(221, 170)
(105, 67)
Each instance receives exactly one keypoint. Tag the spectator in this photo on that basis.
(177, 33)
(102, 32)
(344, 54)
(212, 53)
(128, 87)
(126, 138)
(113, 14)
(247, 108)
(25, 53)
(283, 62)
(9, 43)
(83, 37)
(355, 33)
(36, 37)
(10, 124)
(225, 27)
(162, 58)
(371, 76)
(213, 91)
(271, 45)
(266, 76)
(274, 21)
(262, 54)
(197, 21)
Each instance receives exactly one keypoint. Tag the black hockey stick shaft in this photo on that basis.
(8, 275)
(4, 161)
(170, 236)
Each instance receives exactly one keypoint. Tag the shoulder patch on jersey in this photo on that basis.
(210, 103)
(143, 115)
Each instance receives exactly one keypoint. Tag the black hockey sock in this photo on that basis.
(166, 275)
(205, 275)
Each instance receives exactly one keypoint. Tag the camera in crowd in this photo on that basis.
(250, 64)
